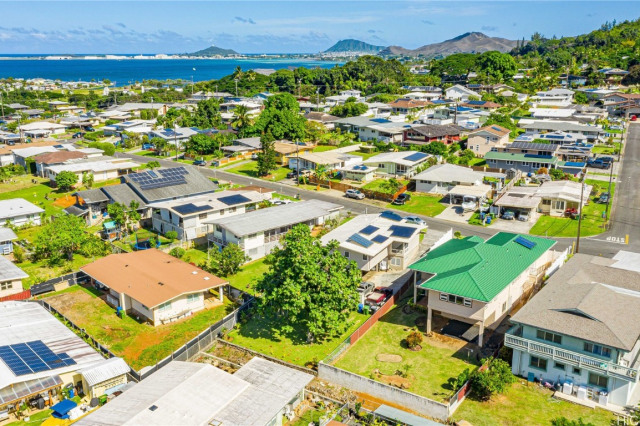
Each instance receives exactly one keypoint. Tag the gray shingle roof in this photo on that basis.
(15, 207)
(437, 130)
(9, 271)
(122, 194)
(91, 196)
(7, 234)
(276, 217)
(585, 299)
(196, 183)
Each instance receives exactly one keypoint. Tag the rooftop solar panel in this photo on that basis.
(368, 230)
(391, 215)
(524, 242)
(32, 357)
(402, 231)
(359, 239)
(190, 208)
(379, 239)
(232, 200)
(416, 156)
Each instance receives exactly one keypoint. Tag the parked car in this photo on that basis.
(599, 163)
(604, 198)
(292, 174)
(148, 146)
(401, 199)
(606, 159)
(415, 220)
(199, 163)
(634, 118)
(305, 172)
(365, 288)
(375, 299)
(254, 156)
(354, 193)
(280, 201)
(508, 215)
(523, 216)
(388, 292)
(77, 135)
(90, 129)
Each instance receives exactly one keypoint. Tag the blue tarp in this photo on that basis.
(62, 408)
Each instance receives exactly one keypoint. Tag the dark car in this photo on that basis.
(90, 129)
(508, 215)
(292, 174)
(599, 164)
(401, 199)
(199, 163)
(604, 198)
(77, 135)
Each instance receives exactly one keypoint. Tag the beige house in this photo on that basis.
(105, 378)
(10, 278)
(484, 139)
(551, 198)
(154, 285)
(478, 282)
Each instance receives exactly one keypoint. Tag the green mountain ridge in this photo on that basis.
(351, 45)
(214, 51)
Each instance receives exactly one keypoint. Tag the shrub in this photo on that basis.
(171, 235)
(414, 339)
(18, 253)
(178, 252)
(493, 380)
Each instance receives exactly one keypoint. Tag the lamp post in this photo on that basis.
(584, 176)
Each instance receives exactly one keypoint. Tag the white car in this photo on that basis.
(415, 220)
(280, 201)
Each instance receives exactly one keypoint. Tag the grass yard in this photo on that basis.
(251, 170)
(129, 241)
(245, 279)
(39, 417)
(592, 222)
(526, 405)
(429, 369)
(260, 334)
(426, 205)
(364, 155)
(139, 344)
(23, 187)
(40, 271)
(323, 148)
(378, 185)
(606, 149)
(477, 162)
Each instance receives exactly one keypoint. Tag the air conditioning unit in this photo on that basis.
(567, 388)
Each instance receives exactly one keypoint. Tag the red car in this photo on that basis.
(375, 298)
(634, 118)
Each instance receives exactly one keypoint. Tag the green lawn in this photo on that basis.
(138, 343)
(251, 169)
(323, 148)
(592, 222)
(364, 155)
(260, 334)
(245, 279)
(127, 243)
(22, 187)
(427, 205)
(378, 185)
(526, 404)
(429, 369)
(40, 271)
(606, 149)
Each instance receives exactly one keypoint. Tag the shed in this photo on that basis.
(105, 377)
(458, 192)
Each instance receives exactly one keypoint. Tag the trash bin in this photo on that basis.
(360, 308)
(489, 220)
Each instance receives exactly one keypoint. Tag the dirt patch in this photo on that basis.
(230, 353)
(142, 342)
(393, 380)
(389, 358)
(421, 321)
(416, 348)
(441, 341)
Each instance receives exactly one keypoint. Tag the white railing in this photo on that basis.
(574, 358)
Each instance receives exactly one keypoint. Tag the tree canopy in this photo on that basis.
(309, 284)
(65, 180)
(281, 118)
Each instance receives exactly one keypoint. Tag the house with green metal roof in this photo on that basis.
(478, 282)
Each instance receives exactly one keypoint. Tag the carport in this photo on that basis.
(518, 202)
(479, 192)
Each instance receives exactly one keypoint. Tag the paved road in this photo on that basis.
(596, 246)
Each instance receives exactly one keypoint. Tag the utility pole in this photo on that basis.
(318, 99)
(299, 88)
(606, 211)
(297, 163)
(2, 104)
(580, 211)
(236, 81)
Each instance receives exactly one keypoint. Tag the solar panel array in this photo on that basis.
(32, 357)
(524, 242)
(391, 215)
(368, 230)
(190, 208)
(360, 167)
(151, 179)
(379, 239)
(359, 239)
(417, 156)
(232, 200)
(402, 231)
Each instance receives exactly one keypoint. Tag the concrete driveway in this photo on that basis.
(454, 213)
(515, 225)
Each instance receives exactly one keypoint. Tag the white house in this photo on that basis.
(187, 216)
(442, 178)
(553, 98)
(377, 242)
(154, 285)
(332, 160)
(460, 93)
(583, 331)
(258, 232)
(102, 168)
(41, 129)
(401, 163)
(19, 211)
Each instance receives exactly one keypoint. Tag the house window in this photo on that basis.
(232, 210)
(202, 216)
(164, 307)
(559, 366)
(396, 261)
(546, 202)
(597, 380)
(557, 205)
(458, 300)
(381, 166)
(193, 298)
(346, 254)
(221, 212)
(6, 286)
(509, 163)
(365, 257)
(577, 371)
(525, 163)
(539, 363)
(597, 349)
(549, 337)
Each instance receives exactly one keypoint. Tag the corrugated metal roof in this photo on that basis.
(478, 269)
(7, 234)
(106, 370)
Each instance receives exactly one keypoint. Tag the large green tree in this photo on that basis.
(349, 109)
(311, 287)
(267, 161)
(496, 65)
(280, 117)
(227, 261)
(65, 236)
(65, 180)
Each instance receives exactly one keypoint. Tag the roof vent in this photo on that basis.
(153, 408)
(195, 272)
(206, 278)
(160, 283)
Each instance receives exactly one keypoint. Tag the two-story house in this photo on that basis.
(402, 163)
(486, 138)
(422, 134)
(478, 282)
(377, 242)
(582, 330)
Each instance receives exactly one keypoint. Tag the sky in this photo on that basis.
(28, 27)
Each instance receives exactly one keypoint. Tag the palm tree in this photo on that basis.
(242, 117)
(322, 175)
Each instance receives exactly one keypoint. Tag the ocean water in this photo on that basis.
(128, 71)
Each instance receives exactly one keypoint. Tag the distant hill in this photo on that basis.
(465, 43)
(351, 45)
(214, 51)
